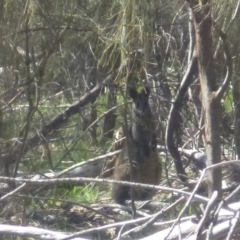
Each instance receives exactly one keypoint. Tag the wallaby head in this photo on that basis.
(142, 127)
(141, 105)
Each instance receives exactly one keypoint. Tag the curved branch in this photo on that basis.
(220, 92)
(173, 124)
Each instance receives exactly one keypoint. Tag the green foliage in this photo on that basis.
(80, 194)
(228, 102)
(101, 39)
(88, 194)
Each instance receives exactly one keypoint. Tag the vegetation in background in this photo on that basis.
(65, 64)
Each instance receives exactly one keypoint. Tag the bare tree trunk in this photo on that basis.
(211, 104)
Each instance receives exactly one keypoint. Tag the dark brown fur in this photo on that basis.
(142, 151)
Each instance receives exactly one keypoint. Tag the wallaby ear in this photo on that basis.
(133, 93)
(146, 91)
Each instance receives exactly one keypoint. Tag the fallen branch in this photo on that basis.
(225, 220)
(41, 182)
(34, 232)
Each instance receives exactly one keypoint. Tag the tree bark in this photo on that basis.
(211, 104)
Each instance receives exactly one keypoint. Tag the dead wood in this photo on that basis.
(34, 232)
(225, 220)
(174, 118)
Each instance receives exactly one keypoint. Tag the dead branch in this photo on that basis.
(219, 94)
(186, 230)
(34, 232)
(85, 167)
(41, 182)
(173, 123)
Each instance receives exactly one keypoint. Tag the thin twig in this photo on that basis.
(12, 192)
(84, 179)
(96, 159)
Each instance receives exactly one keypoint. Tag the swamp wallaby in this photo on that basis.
(141, 148)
